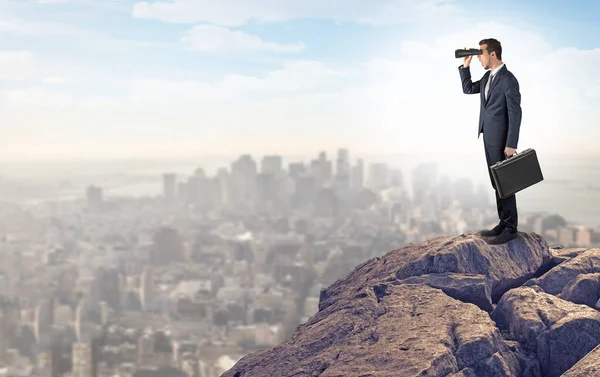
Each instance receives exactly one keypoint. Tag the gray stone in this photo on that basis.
(429, 310)
(589, 366)
(560, 332)
(405, 330)
(555, 280)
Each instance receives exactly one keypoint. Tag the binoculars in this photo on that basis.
(461, 53)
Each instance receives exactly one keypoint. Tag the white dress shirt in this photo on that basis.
(487, 85)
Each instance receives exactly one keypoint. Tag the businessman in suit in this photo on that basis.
(499, 121)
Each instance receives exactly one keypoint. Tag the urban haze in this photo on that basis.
(179, 179)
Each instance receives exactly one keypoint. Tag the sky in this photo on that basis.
(106, 79)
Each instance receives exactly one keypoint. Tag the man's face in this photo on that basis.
(484, 58)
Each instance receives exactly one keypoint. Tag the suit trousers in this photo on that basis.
(507, 207)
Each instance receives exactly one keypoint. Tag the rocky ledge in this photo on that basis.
(451, 307)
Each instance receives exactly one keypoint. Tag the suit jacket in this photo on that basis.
(499, 115)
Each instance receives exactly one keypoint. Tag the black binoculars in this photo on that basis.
(461, 53)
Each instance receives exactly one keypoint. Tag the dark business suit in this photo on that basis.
(499, 121)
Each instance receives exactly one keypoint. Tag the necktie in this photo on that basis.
(488, 85)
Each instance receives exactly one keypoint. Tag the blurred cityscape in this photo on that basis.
(218, 266)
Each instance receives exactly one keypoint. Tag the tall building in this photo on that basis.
(169, 187)
(396, 178)
(343, 163)
(94, 196)
(322, 170)
(266, 189)
(296, 169)
(243, 180)
(271, 165)
(357, 177)
(83, 360)
(146, 288)
(342, 173)
(316, 172)
(167, 246)
(378, 176)
(220, 187)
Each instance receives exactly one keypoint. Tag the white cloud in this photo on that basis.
(94, 2)
(559, 110)
(38, 97)
(238, 12)
(16, 64)
(293, 79)
(15, 25)
(218, 39)
(56, 80)
(412, 103)
(52, 1)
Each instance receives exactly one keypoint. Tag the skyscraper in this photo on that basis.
(169, 187)
(271, 164)
(94, 196)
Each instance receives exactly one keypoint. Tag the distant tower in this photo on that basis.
(83, 360)
(43, 320)
(4, 338)
(357, 178)
(9, 320)
(169, 187)
(342, 174)
(94, 196)
(80, 317)
(343, 163)
(271, 164)
(146, 288)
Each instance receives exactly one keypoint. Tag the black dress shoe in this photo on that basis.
(506, 235)
(495, 231)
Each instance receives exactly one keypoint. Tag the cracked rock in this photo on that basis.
(559, 332)
(420, 331)
(504, 266)
(428, 310)
(587, 367)
(472, 288)
(555, 280)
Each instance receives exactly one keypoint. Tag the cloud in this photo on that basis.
(412, 102)
(16, 65)
(38, 97)
(559, 109)
(212, 38)
(52, 1)
(79, 1)
(293, 79)
(56, 80)
(19, 26)
(238, 12)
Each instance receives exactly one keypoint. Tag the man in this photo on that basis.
(499, 121)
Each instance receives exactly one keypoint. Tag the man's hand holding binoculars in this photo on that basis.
(467, 54)
(467, 60)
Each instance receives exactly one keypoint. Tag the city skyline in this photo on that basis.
(166, 79)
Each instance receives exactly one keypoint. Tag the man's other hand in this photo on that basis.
(509, 152)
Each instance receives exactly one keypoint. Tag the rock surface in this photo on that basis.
(587, 367)
(558, 332)
(473, 288)
(404, 330)
(430, 309)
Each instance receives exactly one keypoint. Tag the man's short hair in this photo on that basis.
(493, 45)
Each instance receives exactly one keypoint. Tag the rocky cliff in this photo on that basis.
(451, 307)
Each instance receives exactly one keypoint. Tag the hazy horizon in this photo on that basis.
(112, 267)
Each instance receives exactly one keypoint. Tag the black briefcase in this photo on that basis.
(516, 173)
